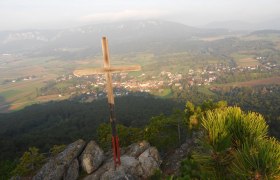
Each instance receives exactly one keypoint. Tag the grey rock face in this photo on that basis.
(139, 161)
(150, 161)
(56, 168)
(118, 174)
(172, 164)
(106, 166)
(92, 157)
(136, 149)
(131, 167)
(73, 171)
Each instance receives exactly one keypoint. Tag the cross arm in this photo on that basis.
(112, 69)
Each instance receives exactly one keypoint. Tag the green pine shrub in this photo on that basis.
(234, 145)
(258, 161)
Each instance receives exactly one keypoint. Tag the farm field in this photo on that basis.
(164, 93)
(16, 89)
(274, 37)
(19, 94)
(245, 59)
(247, 62)
(219, 37)
(265, 81)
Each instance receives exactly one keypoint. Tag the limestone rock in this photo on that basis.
(130, 169)
(131, 166)
(150, 161)
(138, 162)
(118, 174)
(57, 166)
(106, 166)
(136, 149)
(172, 163)
(92, 157)
(73, 171)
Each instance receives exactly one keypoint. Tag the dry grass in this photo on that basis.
(266, 81)
(247, 62)
(51, 97)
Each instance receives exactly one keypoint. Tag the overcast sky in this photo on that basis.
(27, 14)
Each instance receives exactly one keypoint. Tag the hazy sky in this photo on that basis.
(23, 14)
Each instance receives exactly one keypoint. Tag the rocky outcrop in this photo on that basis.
(92, 157)
(172, 163)
(57, 167)
(73, 171)
(138, 161)
(136, 149)
(150, 161)
(116, 174)
(132, 165)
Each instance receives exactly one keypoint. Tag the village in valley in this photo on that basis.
(160, 84)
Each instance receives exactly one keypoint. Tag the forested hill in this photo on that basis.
(218, 142)
(50, 125)
(44, 125)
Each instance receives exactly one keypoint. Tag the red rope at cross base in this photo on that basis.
(116, 150)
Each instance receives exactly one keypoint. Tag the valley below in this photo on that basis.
(171, 62)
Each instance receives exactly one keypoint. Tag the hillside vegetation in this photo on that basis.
(227, 143)
(44, 125)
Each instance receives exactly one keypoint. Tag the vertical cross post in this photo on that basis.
(108, 70)
(111, 102)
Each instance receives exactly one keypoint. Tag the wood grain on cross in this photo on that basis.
(108, 70)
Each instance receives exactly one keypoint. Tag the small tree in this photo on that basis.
(162, 132)
(127, 135)
(30, 161)
(194, 114)
(56, 149)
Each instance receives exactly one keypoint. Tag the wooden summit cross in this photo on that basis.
(107, 70)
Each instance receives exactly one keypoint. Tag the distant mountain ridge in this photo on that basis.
(123, 36)
(263, 32)
(245, 26)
